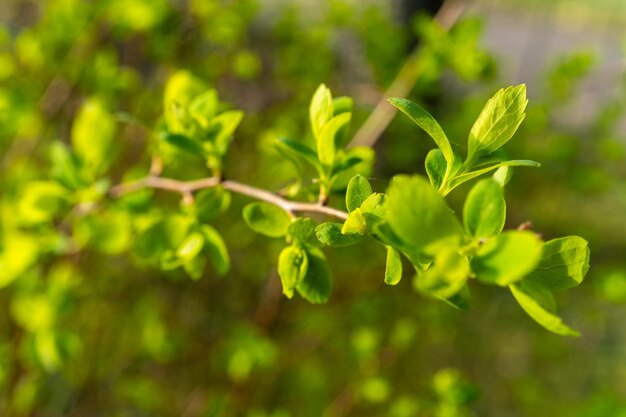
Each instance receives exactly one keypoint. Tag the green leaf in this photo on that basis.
(428, 123)
(224, 126)
(292, 268)
(460, 300)
(342, 105)
(180, 90)
(316, 285)
(460, 179)
(301, 229)
(212, 202)
(419, 216)
(507, 258)
(564, 263)
(355, 223)
(393, 267)
(503, 175)
(538, 302)
(373, 209)
(330, 234)
(41, 201)
(93, 131)
(358, 191)
(190, 246)
(497, 122)
(484, 211)
(435, 167)
(266, 219)
(184, 143)
(300, 150)
(321, 109)
(194, 267)
(204, 107)
(216, 249)
(326, 139)
(446, 276)
(66, 168)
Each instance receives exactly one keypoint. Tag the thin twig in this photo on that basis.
(185, 188)
(407, 77)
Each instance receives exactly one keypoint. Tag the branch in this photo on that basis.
(187, 187)
(407, 77)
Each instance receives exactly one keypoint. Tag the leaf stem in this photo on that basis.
(185, 188)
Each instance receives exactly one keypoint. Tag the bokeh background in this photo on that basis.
(88, 329)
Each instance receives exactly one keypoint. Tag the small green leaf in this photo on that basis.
(194, 267)
(300, 150)
(326, 139)
(190, 247)
(321, 109)
(292, 268)
(224, 126)
(316, 285)
(436, 167)
(419, 216)
(358, 191)
(460, 179)
(216, 249)
(393, 268)
(446, 276)
(497, 122)
(330, 234)
(204, 107)
(301, 229)
(538, 302)
(342, 105)
(503, 175)
(180, 90)
(507, 258)
(41, 201)
(266, 219)
(484, 211)
(428, 123)
(93, 132)
(184, 143)
(355, 223)
(66, 168)
(373, 209)
(564, 263)
(212, 202)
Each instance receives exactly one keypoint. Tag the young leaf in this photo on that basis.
(212, 202)
(225, 125)
(460, 179)
(419, 216)
(342, 105)
(321, 109)
(564, 263)
(204, 107)
(194, 267)
(216, 249)
(358, 191)
(507, 258)
(300, 150)
(317, 282)
(292, 267)
(446, 276)
(190, 246)
(92, 134)
(330, 235)
(184, 143)
(373, 209)
(428, 123)
(266, 219)
(497, 122)
(180, 90)
(355, 223)
(484, 211)
(326, 139)
(435, 167)
(538, 302)
(393, 268)
(301, 229)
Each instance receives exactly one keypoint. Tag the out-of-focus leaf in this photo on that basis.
(393, 268)
(330, 234)
(316, 285)
(292, 267)
(266, 219)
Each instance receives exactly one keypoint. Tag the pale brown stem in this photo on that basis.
(185, 188)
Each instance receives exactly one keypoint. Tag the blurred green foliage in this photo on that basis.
(88, 330)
